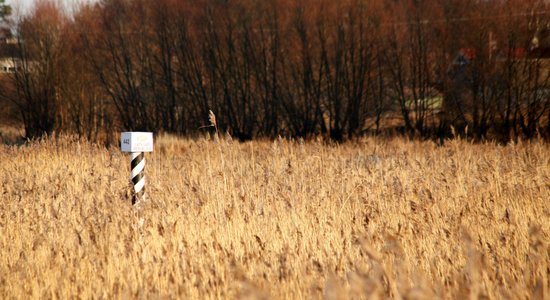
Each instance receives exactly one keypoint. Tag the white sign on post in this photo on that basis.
(136, 141)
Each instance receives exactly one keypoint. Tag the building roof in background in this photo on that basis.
(8, 50)
(8, 45)
(5, 33)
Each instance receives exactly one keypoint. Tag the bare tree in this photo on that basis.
(38, 77)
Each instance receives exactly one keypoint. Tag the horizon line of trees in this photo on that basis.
(339, 69)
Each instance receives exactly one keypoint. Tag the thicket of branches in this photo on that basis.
(279, 67)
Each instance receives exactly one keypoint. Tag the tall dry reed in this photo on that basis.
(281, 219)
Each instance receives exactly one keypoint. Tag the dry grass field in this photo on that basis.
(276, 220)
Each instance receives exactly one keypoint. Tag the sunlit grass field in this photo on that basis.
(276, 220)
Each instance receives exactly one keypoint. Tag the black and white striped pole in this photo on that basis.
(137, 143)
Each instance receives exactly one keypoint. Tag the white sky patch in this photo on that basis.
(22, 7)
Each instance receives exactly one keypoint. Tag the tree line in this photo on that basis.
(302, 69)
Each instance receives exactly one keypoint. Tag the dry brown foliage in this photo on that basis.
(283, 220)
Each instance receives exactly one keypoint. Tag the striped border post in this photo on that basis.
(137, 176)
(137, 143)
